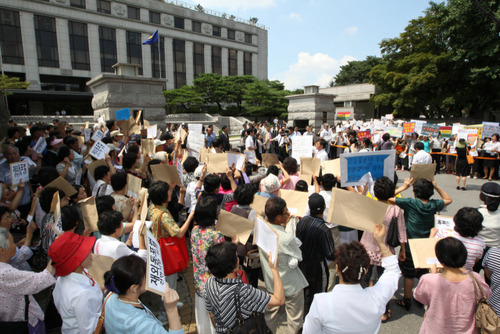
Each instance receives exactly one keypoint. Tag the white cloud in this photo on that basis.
(317, 69)
(233, 5)
(295, 16)
(351, 30)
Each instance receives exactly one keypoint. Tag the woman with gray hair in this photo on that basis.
(19, 312)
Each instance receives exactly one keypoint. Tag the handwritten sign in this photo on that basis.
(196, 128)
(87, 133)
(408, 127)
(444, 224)
(98, 135)
(302, 147)
(152, 131)
(40, 146)
(155, 277)
(99, 150)
(490, 130)
(353, 166)
(195, 141)
(430, 130)
(19, 172)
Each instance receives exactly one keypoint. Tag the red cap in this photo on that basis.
(68, 251)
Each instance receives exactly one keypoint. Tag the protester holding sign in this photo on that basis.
(348, 308)
(124, 312)
(450, 296)
(77, 296)
(65, 167)
(419, 217)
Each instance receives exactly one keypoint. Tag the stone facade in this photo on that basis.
(312, 109)
(248, 38)
(355, 98)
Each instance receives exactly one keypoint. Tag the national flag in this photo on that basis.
(152, 39)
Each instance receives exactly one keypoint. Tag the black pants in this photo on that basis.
(437, 159)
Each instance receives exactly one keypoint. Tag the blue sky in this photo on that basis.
(310, 39)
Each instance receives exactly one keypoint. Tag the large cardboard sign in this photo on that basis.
(422, 171)
(232, 225)
(310, 166)
(356, 211)
(423, 253)
(166, 173)
(89, 213)
(155, 275)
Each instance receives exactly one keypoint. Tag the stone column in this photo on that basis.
(121, 45)
(29, 49)
(91, 5)
(225, 61)
(208, 58)
(169, 60)
(189, 62)
(94, 49)
(240, 56)
(62, 30)
(254, 64)
(147, 70)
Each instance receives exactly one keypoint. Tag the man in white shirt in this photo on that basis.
(421, 157)
(249, 141)
(296, 131)
(319, 150)
(326, 134)
(309, 131)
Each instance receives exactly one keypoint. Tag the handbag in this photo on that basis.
(470, 158)
(486, 317)
(255, 324)
(100, 322)
(17, 327)
(252, 259)
(174, 254)
(393, 233)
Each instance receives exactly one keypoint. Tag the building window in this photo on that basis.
(196, 26)
(154, 59)
(46, 41)
(107, 43)
(154, 17)
(179, 63)
(248, 38)
(231, 34)
(247, 63)
(216, 60)
(134, 13)
(216, 31)
(198, 59)
(134, 49)
(233, 62)
(79, 45)
(77, 3)
(178, 22)
(104, 6)
(10, 37)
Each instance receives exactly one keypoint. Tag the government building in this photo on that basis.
(59, 45)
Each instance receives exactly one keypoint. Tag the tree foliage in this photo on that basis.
(356, 71)
(7, 83)
(231, 95)
(444, 62)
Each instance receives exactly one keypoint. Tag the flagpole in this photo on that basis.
(159, 52)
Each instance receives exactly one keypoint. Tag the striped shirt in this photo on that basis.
(220, 300)
(475, 247)
(492, 263)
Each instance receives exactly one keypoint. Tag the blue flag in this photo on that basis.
(152, 39)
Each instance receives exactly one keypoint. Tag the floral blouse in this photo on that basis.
(201, 239)
(164, 228)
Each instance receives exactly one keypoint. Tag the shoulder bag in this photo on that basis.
(256, 324)
(17, 327)
(486, 318)
(393, 233)
(100, 322)
(470, 158)
(173, 253)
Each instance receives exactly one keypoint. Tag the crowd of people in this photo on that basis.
(328, 278)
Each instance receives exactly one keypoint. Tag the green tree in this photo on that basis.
(7, 83)
(235, 87)
(211, 87)
(184, 99)
(356, 71)
(265, 98)
(444, 62)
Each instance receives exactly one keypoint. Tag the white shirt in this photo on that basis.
(422, 157)
(326, 134)
(249, 143)
(116, 249)
(106, 189)
(78, 302)
(327, 195)
(491, 229)
(352, 309)
(321, 155)
(297, 133)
